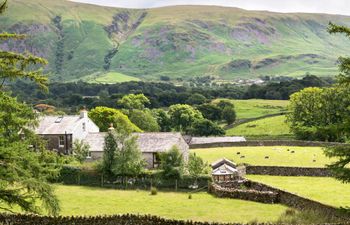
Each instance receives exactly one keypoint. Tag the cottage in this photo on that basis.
(150, 144)
(61, 131)
(224, 170)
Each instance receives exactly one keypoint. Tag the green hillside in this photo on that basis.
(82, 40)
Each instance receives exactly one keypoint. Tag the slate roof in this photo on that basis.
(56, 124)
(221, 162)
(148, 142)
(209, 140)
(225, 170)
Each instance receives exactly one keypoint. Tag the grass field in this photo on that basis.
(109, 78)
(278, 155)
(323, 189)
(202, 207)
(253, 108)
(272, 128)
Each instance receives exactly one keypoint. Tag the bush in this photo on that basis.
(154, 191)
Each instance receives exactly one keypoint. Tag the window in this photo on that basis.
(84, 126)
(156, 160)
(61, 141)
(88, 155)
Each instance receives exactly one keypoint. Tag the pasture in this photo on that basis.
(323, 189)
(253, 108)
(109, 78)
(278, 155)
(77, 200)
(271, 128)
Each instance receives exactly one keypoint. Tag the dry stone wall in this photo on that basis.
(288, 171)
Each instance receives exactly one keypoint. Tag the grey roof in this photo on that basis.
(50, 124)
(221, 162)
(148, 142)
(209, 140)
(224, 170)
(96, 141)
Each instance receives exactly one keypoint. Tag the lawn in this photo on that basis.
(323, 189)
(76, 200)
(272, 128)
(278, 155)
(253, 108)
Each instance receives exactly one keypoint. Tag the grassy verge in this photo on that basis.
(175, 205)
(278, 155)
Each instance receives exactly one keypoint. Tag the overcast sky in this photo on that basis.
(310, 6)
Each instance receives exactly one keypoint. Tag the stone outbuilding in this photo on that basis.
(151, 145)
(225, 170)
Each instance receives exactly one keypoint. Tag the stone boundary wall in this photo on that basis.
(249, 195)
(27, 219)
(288, 171)
(296, 201)
(266, 143)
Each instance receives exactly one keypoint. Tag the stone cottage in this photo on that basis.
(150, 144)
(61, 131)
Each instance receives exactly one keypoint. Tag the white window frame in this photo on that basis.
(60, 141)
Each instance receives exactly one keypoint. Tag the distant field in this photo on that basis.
(278, 155)
(175, 205)
(253, 108)
(272, 128)
(325, 190)
(110, 78)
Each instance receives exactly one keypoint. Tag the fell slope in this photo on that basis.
(181, 41)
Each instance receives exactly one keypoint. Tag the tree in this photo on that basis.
(195, 166)
(225, 103)
(128, 161)
(341, 153)
(172, 163)
(205, 127)
(344, 66)
(24, 170)
(104, 117)
(109, 151)
(196, 99)
(183, 116)
(144, 120)
(210, 111)
(80, 150)
(134, 101)
(163, 120)
(229, 114)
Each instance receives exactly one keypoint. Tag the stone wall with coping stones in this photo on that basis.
(27, 219)
(250, 194)
(288, 171)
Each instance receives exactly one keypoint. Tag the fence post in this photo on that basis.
(176, 185)
(78, 178)
(102, 180)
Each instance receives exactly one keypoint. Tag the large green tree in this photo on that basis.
(144, 119)
(24, 170)
(183, 116)
(134, 101)
(341, 154)
(104, 117)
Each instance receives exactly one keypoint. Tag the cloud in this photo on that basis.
(309, 6)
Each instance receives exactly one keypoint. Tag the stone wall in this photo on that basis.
(249, 195)
(265, 143)
(288, 171)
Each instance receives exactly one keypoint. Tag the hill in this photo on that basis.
(82, 40)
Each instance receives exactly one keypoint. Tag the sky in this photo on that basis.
(309, 6)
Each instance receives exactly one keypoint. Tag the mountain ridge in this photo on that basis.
(84, 40)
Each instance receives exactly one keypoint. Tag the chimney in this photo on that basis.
(83, 113)
(111, 128)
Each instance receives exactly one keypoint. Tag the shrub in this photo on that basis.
(154, 191)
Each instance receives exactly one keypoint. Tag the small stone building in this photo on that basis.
(150, 144)
(225, 170)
